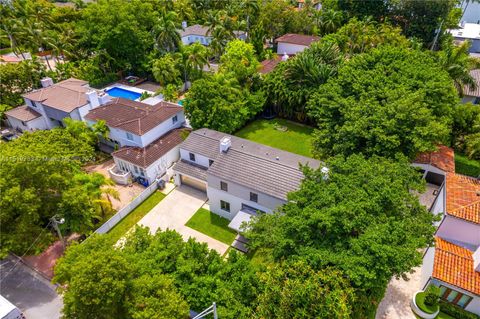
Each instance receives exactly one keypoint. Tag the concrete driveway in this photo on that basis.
(31, 293)
(175, 210)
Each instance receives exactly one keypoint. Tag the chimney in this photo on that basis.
(225, 144)
(92, 97)
(184, 25)
(104, 99)
(476, 259)
(46, 82)
(325, 172)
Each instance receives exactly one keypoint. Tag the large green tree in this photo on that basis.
(40, 176)
(361, 217)
(240, 60)
(389, 100)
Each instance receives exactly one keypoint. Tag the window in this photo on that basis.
(254, 197)
(454, 297)
(136, 169)
(174, 119)
(142, 172)
(129, 136)
(224, 186)
(24, 123)
(192, 157)
(225, 206)
(210, 162)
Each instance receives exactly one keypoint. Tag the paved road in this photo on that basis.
(175, 210)
(31, 293)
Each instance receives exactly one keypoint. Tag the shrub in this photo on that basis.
(456, 312)
(432, 295)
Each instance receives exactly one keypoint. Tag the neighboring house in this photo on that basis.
(470, 32)
(146, 135)
(453, 263)
(269, 65)
(47, 107)
(239, 176)
(472, 95)
(294, 43)
(199, 33)
(315, 4)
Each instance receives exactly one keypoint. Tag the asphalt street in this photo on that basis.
(34, 295)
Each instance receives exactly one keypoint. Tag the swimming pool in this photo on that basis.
(126, 94)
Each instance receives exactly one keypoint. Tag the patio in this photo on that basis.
(127, 192)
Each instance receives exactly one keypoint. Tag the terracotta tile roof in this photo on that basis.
(146, 156)
(64, 96)
(466, 89)
(269, 65)
(23, 113)
(454, 265)
(132, 116)
(443, 158)
(299, 39)
(463, 197)
(9, 59)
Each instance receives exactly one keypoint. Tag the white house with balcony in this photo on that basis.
(146, 137)
(453, 263)
(241, 178)
(47, 107)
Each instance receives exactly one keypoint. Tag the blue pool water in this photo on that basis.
(126, 94)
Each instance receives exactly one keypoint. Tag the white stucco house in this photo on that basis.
(147, 137)
(200, 34)
(290, 44)
(47, 107)
(470, 32)
(453, 263)
(240, 177)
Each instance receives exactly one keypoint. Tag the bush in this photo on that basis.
(456, 311)
(432, 295)
(466, 166)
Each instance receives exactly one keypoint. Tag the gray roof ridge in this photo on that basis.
(256, 155)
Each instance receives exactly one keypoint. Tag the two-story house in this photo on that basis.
(453, 263)
(47, 107)
(147, 137)
(239, 176)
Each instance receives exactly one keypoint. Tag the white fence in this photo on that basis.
(115, 219)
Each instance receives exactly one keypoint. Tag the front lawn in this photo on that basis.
(212, 225)
(296, 139)
(134, 217)
(466, 166)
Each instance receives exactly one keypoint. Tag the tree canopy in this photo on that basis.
(362, 218)
(389, 100)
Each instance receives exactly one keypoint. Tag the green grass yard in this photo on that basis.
(296, 139)
(212, 225)
(134, 217)
(466, 166)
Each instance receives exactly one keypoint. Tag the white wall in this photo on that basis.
(474, 305)
(289, 48)
(32, 125)
(79, 113)
(439, 205)
(159, 167)
(196, 38)
(199, 159)
(162, 129)
(455, 229)
(215, 195)
(427, 267)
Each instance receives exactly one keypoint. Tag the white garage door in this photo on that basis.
(194, 183)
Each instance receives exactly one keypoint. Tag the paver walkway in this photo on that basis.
(396, 302)
(175, 210)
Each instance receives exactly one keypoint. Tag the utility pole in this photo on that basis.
(55, 223)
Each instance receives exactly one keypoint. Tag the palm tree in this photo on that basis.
(458, 63)
(167, 37)
(329, 20)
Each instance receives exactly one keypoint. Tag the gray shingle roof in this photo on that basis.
(191, 170)
(269, 170)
